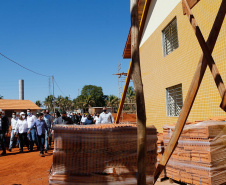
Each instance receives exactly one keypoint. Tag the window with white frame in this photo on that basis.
(174, 100)
(170, 37)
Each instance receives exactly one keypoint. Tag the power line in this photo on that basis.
(59, 87)
(24, 67)
(33, 72)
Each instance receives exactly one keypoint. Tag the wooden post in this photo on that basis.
(192, 92)
(138, 87)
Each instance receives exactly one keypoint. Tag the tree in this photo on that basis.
(49, 102)
(112, 101)
(59, 102)
(1, 97)
(91, 92)
(64, 103)
(38, 103)
(95, 92)
(130, 94)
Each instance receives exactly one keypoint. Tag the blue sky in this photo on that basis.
(79, 42)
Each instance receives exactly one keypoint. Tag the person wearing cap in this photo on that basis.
(21, 129)
(106, 117)
(48, 121)
(65, 119)
(4, 126)
(31, 135)
(41, 129)
(13, 130)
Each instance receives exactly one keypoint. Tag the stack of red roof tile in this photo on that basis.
(99, 154)
(160, 151)
(200, 157)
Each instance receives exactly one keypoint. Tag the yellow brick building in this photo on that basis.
(163, 73)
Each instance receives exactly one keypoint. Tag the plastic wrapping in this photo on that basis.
(99, 154)
(200, 156)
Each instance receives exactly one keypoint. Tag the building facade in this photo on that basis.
(169, 54)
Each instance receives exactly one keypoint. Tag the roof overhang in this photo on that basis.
(6, 104)
(143, 7)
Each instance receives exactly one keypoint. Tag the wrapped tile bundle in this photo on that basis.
(160, 151)
(200, 156)
(99, 154)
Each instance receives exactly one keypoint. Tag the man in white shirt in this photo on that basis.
(31, 135)
(13, 130)
(97, 119)
(106, 117)
(83, 120)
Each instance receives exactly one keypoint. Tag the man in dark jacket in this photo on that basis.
(4, 127)
(65, 119)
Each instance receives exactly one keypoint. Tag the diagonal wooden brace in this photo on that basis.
(207, 54)
(192, 92)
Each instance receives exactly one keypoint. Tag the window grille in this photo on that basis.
(174, 100)
(170, 37)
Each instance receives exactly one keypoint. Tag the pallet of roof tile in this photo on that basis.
(100, 149)
(205, 130)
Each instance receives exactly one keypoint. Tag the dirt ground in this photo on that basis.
(126, 117)
(26, 168)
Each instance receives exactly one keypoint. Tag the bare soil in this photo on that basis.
(27, 168)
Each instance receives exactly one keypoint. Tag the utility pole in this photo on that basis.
(138, 87)
(53, 95)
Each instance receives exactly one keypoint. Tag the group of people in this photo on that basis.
(88, 119)
(30, 129)
(38, 129)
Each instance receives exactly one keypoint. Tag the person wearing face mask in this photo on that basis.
(21, 129)
(83, 119)
(4, 126)
(13, 130)
(31, 135)
(65, 119)
(106, 117)
(48, 121)
(97, 119)
(41, 128)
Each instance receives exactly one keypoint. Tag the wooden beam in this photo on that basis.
(191, 4)
(207, 54)
(138, 87)
(124, 94)
(192, 92)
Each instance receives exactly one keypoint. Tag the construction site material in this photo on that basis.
(99, 154)
(196, 81)
(200, 156)
(160, 151)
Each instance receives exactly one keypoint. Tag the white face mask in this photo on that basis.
(23, 117)
(13, 116)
